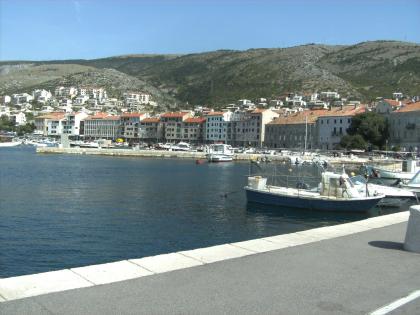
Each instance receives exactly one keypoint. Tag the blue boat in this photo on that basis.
(335, 193)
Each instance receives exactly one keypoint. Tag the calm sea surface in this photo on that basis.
(61, 211)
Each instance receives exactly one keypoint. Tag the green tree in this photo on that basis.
(372, 127)
(6, 124)
(353, 142)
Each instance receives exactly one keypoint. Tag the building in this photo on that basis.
(21, 99)
(151, 130)
(80, 100)
(5, 99)
(329, 96)
(136, 98)
(332, 125)
(387, 106)
(216, 127)
(50, 124)
(294, 131)
(73, 123)
(19, 118)
(62, 91)
(173, 125)
(193, 129)
(248, 128)
(41, 96)
(404, 127)
(130, 126)
(102, 126)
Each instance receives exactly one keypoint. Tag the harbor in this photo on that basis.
(353, 268)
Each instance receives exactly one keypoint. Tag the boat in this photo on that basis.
(9, 144)
(182, 146)
(413, 185)
(219, 153)
(409, 169)
(335, 193)
(394, 196)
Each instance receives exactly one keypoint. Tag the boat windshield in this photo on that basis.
(415, 179)
(357, 180)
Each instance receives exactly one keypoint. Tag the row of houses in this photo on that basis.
(311, 129)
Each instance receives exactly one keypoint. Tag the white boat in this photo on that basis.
(413, 185)
(9, 144)
(336, 193)
(394, 197)
(181, 146)
(219, 153)
(409, 169)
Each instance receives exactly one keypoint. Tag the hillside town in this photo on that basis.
(292, 121)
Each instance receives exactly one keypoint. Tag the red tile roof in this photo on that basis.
(151, 120)
(52, 115)
(412, 107)
(195, 120)
(258, 111)
(103, 116)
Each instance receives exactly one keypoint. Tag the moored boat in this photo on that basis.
(336, 193)
(413, 185)
(9, 144)
(219, 153)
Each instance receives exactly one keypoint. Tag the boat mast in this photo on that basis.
(306, 131)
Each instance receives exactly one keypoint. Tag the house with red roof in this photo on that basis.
(130, 126)
(193, 129)
(387, 106)
(173, 125)
(151, 130)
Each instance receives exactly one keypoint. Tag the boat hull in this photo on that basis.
(394, 175)
(219, 158)
(9, 144)
(350, 205)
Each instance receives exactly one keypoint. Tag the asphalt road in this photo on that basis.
(355, 274)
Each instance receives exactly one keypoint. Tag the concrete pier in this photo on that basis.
(353, 268)
(348, 161)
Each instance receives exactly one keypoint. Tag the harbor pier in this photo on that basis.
(352, 268)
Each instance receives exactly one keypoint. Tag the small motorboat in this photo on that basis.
(394, 197)
(219, 153)
(413, 185)
(9, 144)
(335, 193)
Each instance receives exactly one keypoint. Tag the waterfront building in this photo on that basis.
(102, 126)
(216, 127)
(294, 131)
(130, 126)
(193, 129)
(73, 123)
(248, 128)
(50, 124)
(151, 130)
(173, 125)
(404, 125)
(332, 125)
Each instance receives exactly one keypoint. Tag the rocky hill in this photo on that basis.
(364, 71)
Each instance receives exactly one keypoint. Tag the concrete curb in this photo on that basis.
(55, 281)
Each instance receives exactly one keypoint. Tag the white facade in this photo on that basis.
(19, 118)
(134, 98)
(72, 123)
(81, 100)
(41, 96)
(20, 99)
(216, 126)
(5, 99)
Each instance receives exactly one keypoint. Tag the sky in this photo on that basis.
(88, 29)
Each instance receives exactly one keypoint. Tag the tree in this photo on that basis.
(353, 142)
(372, 127)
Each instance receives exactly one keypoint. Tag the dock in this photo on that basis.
(352, 268)
(348, 161)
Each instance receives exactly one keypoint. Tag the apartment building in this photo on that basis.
(151, 130)
(216, 127)
(173, 123)
(130, 126)
(193, 129)
(404, 125)
(102, 126)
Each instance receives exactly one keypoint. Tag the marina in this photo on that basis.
(75, 210)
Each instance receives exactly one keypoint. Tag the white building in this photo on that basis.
(72, 123)
(102, 126)
(63, 91)
(20, 99)
(328, 95)
(5, 99)
(19, 118)
(50, 124)
(81, 100)
(404, 127)
(41, 96)
(216, 126)
(136, 98)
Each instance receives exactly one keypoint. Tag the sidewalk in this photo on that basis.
(354, 274)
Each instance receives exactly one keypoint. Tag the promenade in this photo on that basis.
(354, 268)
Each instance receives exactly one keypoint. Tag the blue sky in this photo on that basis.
(61, 29)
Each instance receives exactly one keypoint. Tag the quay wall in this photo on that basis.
(356, 161)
